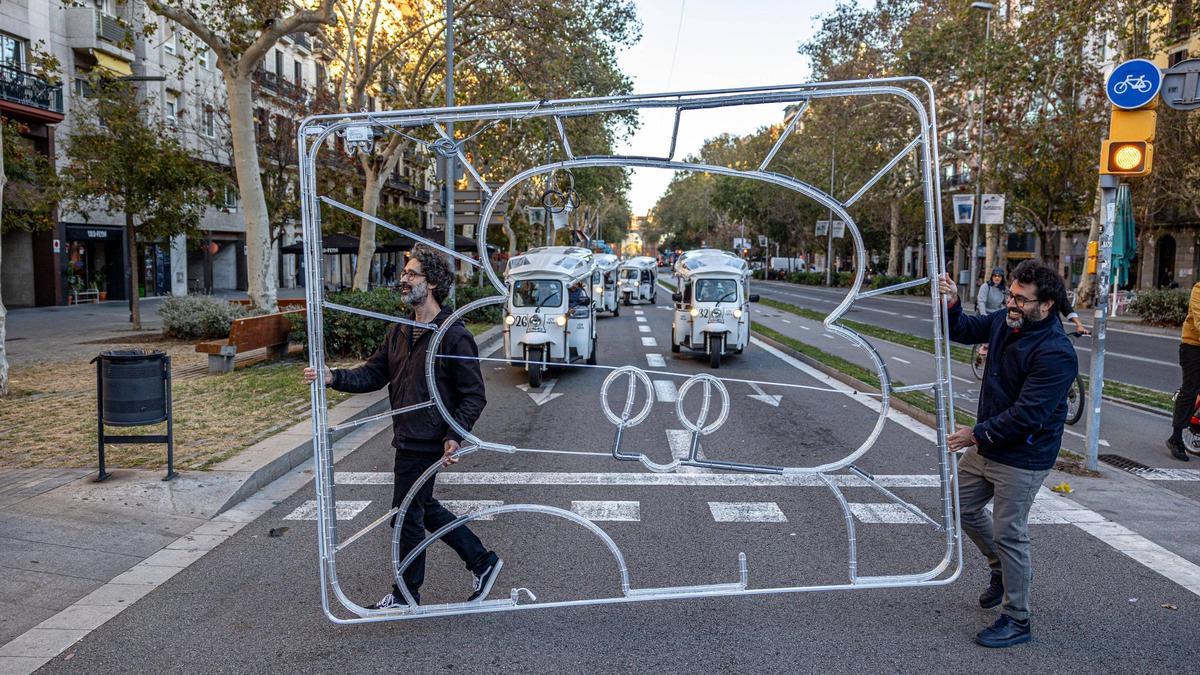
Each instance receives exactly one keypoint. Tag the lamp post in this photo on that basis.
(985, 7)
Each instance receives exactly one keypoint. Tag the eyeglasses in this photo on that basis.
(409, 274)
(1018, 300)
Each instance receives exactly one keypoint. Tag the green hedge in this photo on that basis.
(354, 336)
(881, 280)
(199, 316)
(1162, 307)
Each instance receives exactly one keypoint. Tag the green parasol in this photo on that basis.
(1124, 244)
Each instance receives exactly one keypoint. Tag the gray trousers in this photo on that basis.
(1003, 535)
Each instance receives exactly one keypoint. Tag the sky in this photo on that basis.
(721, 43)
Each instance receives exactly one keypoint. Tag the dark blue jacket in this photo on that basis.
(1023, 400)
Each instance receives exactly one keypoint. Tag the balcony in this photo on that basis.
(89, 29)
(278, 85)
(300, 40)
(29, 96)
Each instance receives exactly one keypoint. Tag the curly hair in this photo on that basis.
(1049, 284)
(437, 271)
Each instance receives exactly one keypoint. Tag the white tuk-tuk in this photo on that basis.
(637, 278)
(712, 311)
(604, 283)
(548, 317)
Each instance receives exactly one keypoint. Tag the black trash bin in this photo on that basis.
(133, 388)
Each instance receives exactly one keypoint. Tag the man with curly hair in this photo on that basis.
(422, 437)
(1008, 453)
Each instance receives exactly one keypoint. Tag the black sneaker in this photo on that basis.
(485, 577)
(1177, 451)
(1006, 632)
(393, 601)
(994, 593)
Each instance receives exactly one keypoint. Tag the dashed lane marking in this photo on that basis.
(746, 512)
(469, 507)
(608, 511)
(656, 361)
(346, 510)
(643, 329)
(649, 342)
(682, 438)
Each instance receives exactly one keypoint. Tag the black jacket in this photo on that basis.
(1023, 399)
(402, 368)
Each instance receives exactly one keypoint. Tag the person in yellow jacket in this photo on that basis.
(1189, 363)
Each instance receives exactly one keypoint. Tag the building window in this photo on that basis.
(1141, 35)
(168, 44)
(320, 76)
(231, 198)
(12, 51)
(1175, 57)
(279, 64)
(204, 58)
(172, 109)
(209, 122)
(82, 88)
(298, 73)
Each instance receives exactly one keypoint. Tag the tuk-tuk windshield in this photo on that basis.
(716, 290)
(537, 293)
(629, 273)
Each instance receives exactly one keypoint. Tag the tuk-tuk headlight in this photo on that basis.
(535, 321)
(716, 315)
(510, 319)
(695, 312)
(560, 320)
(599, 289)
(737, 313)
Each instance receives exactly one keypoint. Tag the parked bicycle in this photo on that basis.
(1076, 397)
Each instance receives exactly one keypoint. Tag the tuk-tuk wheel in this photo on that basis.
(617, 309)
(674, 347)
(591, 359)
(535, 367)
(714, 351)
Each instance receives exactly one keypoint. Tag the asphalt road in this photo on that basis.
(1145, 359)
(252, 604)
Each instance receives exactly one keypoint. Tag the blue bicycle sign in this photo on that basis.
(1133, 84)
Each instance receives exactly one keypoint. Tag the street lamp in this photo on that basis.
(977, 211)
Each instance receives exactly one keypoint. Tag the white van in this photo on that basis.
(638, 279)
(604, 283)
(549, 315)
(712, 310)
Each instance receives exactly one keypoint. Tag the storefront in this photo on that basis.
(94, 259)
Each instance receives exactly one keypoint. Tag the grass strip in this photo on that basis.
(1112, 389)
(922, 401)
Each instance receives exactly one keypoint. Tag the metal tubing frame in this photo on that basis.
(315, 130)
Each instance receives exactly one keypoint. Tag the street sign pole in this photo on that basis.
(1108, 213)
(829, 233)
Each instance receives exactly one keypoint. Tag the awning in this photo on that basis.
(112, 64)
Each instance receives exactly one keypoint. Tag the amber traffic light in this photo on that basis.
(1129, 149)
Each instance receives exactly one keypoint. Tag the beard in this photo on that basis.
(413, 295)
(1016, 318)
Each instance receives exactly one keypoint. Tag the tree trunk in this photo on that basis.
(135, 310)
(3, 311)
(366, 230)
(893, 268)
(260, 263)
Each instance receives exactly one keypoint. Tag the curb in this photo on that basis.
(264, 462)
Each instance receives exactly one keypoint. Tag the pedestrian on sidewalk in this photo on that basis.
(1009, 452)
(991, 294)
(1189, 363)
(422, 438)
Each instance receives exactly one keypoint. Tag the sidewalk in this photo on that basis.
(64, 537)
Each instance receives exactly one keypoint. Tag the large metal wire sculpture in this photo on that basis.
(915, 93)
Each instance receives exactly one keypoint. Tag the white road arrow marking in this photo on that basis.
(760, 395)
(542, 396)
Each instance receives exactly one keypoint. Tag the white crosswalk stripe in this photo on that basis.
(469, 507)
(883, 513)
(608, 511)
(1170, 474)
(656, 361)
(346, 510)
(746, 512)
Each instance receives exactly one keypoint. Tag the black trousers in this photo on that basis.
(1185, 398)
(426, 513)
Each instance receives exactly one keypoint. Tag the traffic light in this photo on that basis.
(1129, 148)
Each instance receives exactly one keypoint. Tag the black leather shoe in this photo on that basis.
(994, 593)
(1177, 450)
(1006, 632)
